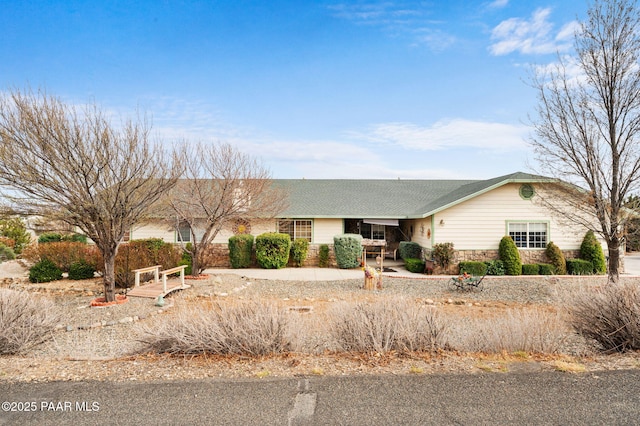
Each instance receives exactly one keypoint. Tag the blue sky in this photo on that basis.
(314, 89)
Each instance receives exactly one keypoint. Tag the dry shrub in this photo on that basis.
(141, 254)
(527, 330)
(609, 315)
(63, 254)
(244, 328)
(25, 321)
(394, 324)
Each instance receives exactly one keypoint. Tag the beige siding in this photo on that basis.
(257, 228)
(325, 229)
(480, 222)
(422, 231)
(153, 230)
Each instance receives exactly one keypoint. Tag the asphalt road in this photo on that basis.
(607, 398)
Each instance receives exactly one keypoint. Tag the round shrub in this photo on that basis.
(299, 251)
(510, 256)
(530, 269)
(348, 249)
(495, 267)
(473, 268)
(414, 265)
(556, 258)
(49, 237)
(81, 270)
(240, 250)
(409, 250)
(591, 250)
(44, 271)
(323, 256)
(272, 250)
(6, 253)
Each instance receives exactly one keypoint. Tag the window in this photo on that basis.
(528, 234)
(372, 231)
(184, 233)
(296, 228)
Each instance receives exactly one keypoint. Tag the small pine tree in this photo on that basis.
(510, 256)
(591, 250)
(556, 258)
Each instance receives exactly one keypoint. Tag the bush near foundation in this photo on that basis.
(473, 268)
(591, 250)
(545, 269)
(579, 267)
(414, 265)
(240, 250)
(299, 251)
(348, 250)
(556, 258)
(510, 256)
(495, 267)
(530, 269)
(272, 250)
(409, 250)
(323, 256)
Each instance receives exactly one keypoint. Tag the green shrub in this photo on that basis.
(75, 238)
(510, 256)
(556, 258)
(579, 267)
(81, 270)
(6, 253)
(44, 271)
(323, 256)
(15, 229)
(299, 251)
(495, 267)
(545, 269)
(443, 254)
(591, 250)
(530, 269)
(240, 250)
(348, 249)
(414, 265)
(409, 250)
(50, 237)
(473, 268)
(272, 250)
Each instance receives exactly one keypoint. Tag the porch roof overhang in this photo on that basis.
(385, 222)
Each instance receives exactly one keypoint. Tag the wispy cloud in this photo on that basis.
(447, 134)
(498, 4)
(531, 36)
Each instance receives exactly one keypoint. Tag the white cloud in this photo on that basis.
(533, 36)
(498, 4)
(447, 134)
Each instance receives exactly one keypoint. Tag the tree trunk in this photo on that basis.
(109, 277)
(195, 261)
(613, 266)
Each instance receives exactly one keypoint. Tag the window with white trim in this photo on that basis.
(528, 234)
(296, 228)
(184, 233)
(372, 231)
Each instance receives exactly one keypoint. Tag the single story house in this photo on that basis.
(472, 214)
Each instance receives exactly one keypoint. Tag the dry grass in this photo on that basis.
(26, 320)
(609, 315)
(386, 325)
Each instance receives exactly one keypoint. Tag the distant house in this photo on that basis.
(472, 214)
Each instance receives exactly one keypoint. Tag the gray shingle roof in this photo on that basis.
(380, 199)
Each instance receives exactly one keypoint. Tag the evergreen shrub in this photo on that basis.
(6, 253)
(240, 250)
(44, 271)
(530, 269)
(15, 229)
(414, 265)
(81, 270)
(579, 267)
(556, 258)
(323, 256)
(409, 250)
(510, 256)
(272, 250)
(495, 267)
(546, 269)
(591, 250)
(50, 237)
(473, 268)
(348, 249)
(299, 251)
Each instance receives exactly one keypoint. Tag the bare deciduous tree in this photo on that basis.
(220, 185)
(588, 121)
(72, 165)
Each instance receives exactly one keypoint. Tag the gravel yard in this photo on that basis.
(100, 343)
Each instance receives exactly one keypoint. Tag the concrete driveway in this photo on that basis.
(632, 264)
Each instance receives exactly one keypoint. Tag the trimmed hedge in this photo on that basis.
(556, 258)
(546, 269)
(414, 265)
(240, 250)
(272, 250)
(510, 256)
(299, 251)
(348, 249)
(591, 250)
(495, 267)
(323, 256)
(409, 250)
(44, 271)
(579, 267)
(530, 269)
(473, 268)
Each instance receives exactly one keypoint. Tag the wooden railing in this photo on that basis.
(155, 269)
(172, 271)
